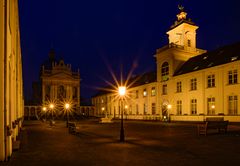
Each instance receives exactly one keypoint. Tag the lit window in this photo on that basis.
(179, 107)
(164, 89)
(211, 106)
(233, 105)
(232, 77)
(144, 93)
(193, 84)
(194, 106)
(211, 81)
(179, 86)
(153, 92)
(165, 71)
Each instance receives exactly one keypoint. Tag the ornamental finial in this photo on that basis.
(181, 8)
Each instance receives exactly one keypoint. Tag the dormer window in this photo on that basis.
(234, 58)
(205, 57)
(165, 71)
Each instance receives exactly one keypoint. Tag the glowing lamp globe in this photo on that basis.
(122, 90)
(67, 105)
(51, 106)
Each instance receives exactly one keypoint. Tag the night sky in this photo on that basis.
(91, 34)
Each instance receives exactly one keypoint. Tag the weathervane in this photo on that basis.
(181, 8)
(182, 15)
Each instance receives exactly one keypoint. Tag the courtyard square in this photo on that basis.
(146, 143)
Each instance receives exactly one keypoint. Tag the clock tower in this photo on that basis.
(183, 31)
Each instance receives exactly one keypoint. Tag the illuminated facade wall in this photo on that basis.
(60, 83)
(140, 103)
(191, 84)
(214, 95)
(11, 91)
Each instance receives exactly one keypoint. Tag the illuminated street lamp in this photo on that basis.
(122, 92)
(67, 106)
(169, 106)
(51, 106)
(45, 112)
(103, 111)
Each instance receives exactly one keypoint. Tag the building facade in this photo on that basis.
(59, 83)
(190, 84)
(11, 84)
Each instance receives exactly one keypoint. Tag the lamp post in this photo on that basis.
(67, 106)
(51, 106)
(103, 111)
(213, 109)
(122, 92)
(45, 112)
(169, 106)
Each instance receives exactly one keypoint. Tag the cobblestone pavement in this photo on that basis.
(147, 143)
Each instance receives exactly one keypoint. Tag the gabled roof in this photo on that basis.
(145, 78)
(209, 59)
(138, 80)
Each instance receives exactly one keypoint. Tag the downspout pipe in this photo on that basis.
(5, 77)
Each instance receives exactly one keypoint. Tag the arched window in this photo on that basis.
(165, 71)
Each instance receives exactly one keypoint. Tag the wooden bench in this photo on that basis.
(73, 128)
(212, 124)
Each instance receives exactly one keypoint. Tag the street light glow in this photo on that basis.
(67, 105)
(51, 106)
(44, 109)
(169, 106)
(122, 90)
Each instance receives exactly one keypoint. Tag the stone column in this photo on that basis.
(2, 91)
(54, 91)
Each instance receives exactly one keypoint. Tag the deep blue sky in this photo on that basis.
(85, 32)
